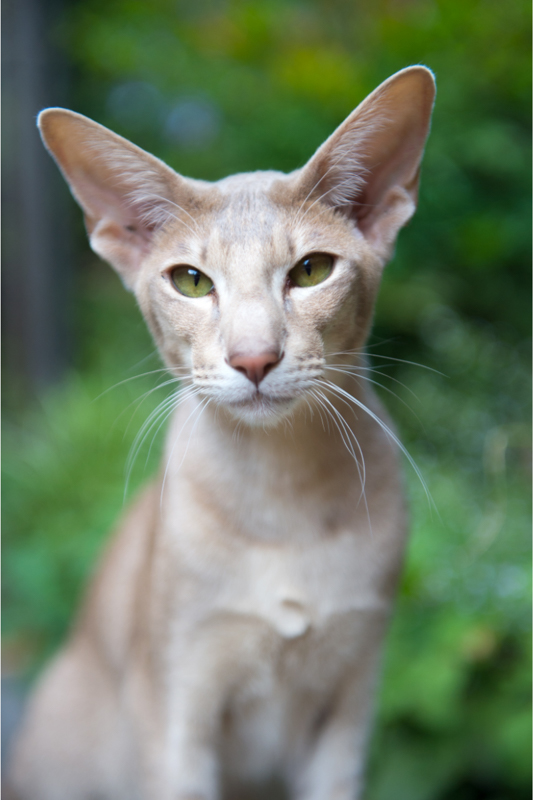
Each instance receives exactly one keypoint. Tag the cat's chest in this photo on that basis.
(300, 588)
(296, 557)
(293, 588)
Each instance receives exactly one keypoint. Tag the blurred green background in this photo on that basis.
(219, 87)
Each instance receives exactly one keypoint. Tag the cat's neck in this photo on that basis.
(255, 477)
(329, 426)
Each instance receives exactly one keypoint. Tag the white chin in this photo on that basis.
(261, 410)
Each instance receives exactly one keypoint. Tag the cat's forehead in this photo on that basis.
(247, 209)
(257, 217)
(254, 225)
(248, 233)
(241, 221)
(249, 182)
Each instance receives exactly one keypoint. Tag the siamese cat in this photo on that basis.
(232, 633)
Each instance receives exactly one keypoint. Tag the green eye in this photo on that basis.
(311, 270)
(191, 282)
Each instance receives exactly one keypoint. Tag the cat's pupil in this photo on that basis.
(307, 266)
(195, 276)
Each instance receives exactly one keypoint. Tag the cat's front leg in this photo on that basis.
(334, 772)
(182, 757)
(182, 760)
(333, 768)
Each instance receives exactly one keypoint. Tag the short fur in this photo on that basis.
(233, 631)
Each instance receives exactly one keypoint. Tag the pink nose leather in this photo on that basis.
(254, 367)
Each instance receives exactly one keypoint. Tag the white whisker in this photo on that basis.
(361, 351)
(180, 208)
(387, 431)
(321, 197)
(140, 400)
(347, 430)
(346, 441)
(163, 410)
(317, 183)
(134, 378)
(202, 405)
(381, 385)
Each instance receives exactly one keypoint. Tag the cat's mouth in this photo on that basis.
(261, 400)
(261, 408)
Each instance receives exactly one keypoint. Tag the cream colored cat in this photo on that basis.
(233, 631)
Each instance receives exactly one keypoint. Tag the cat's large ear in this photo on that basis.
(369, 167)
(126, 194)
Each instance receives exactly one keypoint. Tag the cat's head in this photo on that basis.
(252, 282)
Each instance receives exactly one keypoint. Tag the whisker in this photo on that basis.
(320, 405)
(147, 427)
(235, 434)
(180, 208)
(151, 215)
(318, 182)
(358, 369)
(310, 407)
(354, 180)
(155, 352)
(347, 430)
(359, 351)
(160, 408)
(133, 378)
(389, 433)
(202, 405)
(347, 182)
(165, 417)
(140, 400)
(349, 447)
(164, 409)
(382, 386)
(352, 433)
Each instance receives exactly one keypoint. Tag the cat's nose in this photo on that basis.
(255, 367)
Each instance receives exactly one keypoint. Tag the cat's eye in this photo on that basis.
(190, 281)
(311, 270)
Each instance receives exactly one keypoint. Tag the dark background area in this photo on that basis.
(221, 87)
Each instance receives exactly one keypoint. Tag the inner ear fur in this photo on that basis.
(126, 194)
(369, 167)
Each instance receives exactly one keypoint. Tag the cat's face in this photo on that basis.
(252, 283)
(287, 283)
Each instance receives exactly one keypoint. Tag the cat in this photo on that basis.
(232, 634)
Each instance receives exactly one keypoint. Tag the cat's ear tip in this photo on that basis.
(48, 113)
(418, 73)
(422, 69)
(60, 127)
(414, 84)
(48, 118)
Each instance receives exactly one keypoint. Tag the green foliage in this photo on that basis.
(277, 77)
(215, 88)
(64, 473)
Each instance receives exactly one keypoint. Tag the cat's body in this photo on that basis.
(234, 629)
